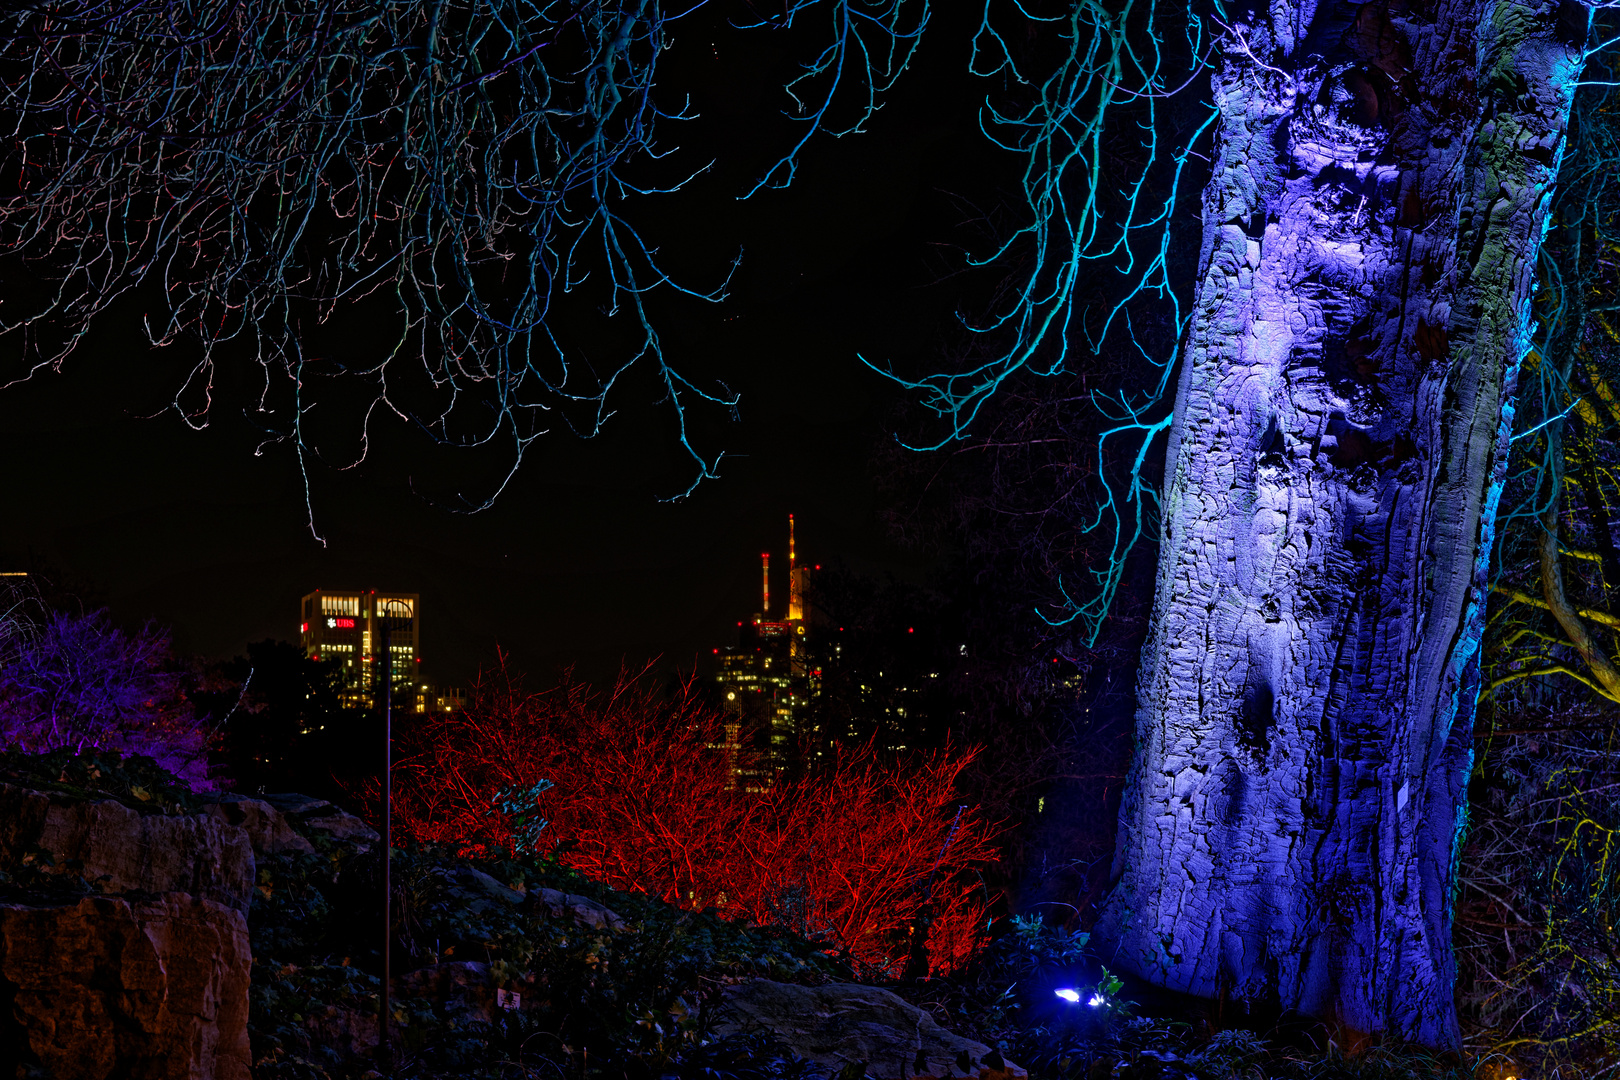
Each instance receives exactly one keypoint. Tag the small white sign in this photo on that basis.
(508, 999)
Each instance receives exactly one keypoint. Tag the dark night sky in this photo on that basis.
(579, 561)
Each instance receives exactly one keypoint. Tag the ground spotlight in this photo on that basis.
(1071, 996)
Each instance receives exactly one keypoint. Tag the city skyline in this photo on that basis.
(765, 704)
(587, 558)
(611, 576)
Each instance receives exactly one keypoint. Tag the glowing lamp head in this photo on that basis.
(1097, 1001)
(1071, 996)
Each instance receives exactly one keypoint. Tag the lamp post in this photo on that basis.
(386, 626)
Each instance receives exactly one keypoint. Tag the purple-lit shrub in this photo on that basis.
(78, 682)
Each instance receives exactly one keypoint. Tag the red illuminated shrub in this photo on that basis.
(643, 800)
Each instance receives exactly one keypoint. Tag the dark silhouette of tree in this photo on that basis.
(963, 661)
(284, 726)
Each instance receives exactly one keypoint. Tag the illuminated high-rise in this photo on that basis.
(767, 679)
(344, 628)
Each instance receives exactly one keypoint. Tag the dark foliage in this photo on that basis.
(284, 726)
(963, 660)
(601, 1002)
(140, 783)
(1538, 981)
(639, 1001)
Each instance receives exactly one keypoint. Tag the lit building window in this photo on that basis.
(340, 625)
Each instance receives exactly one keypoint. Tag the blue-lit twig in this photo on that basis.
(1088, 212)
(873, 40)
(466, 168)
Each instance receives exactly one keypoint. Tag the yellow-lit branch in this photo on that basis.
(1586, 613)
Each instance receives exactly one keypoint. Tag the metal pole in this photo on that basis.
(387, 839)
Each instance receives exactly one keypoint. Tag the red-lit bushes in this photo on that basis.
(643, 800)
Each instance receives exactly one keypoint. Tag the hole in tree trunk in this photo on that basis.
(1256, 715)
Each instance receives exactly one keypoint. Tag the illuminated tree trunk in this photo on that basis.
(1290, 828)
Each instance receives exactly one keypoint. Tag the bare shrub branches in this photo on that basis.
(643, 799)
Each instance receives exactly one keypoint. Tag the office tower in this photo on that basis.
(768, 679)
(342, 627)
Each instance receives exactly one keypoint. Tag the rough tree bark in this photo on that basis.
(1289, 830)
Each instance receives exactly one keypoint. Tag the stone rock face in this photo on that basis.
(344, 826)
(475, 887)
(843, 1023)
(582, 909)
(107, 988)
(154, 985)
(122, 849)
(476, 890)
(267, 828)
(492, 887)
(292, 803)
(307, 814)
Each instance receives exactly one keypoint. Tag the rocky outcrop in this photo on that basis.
(309, 815)
(267, 829)
(148, 979)
(473, 886)
(582, 909)
(108, 988)
(118, 849)
(843, 1024)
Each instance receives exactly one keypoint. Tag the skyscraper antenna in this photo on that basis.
(795, 586)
